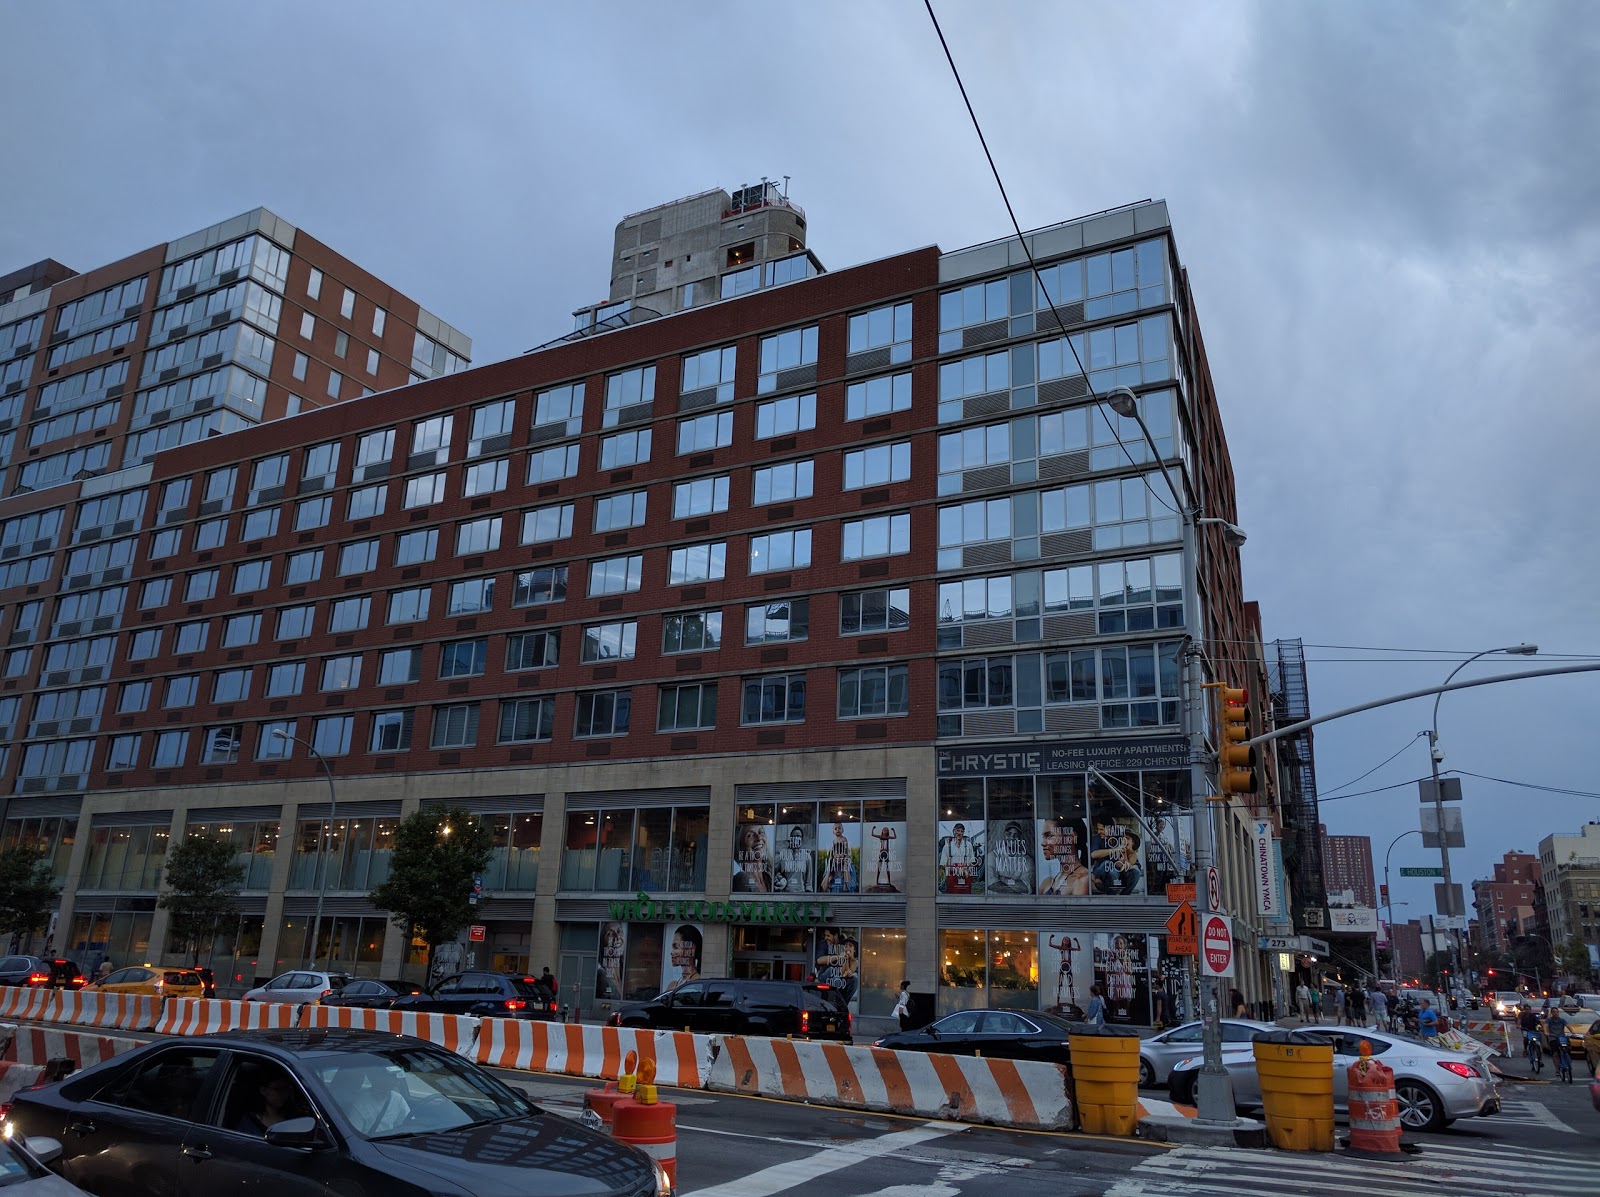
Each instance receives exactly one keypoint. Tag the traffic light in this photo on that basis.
(1236, 760)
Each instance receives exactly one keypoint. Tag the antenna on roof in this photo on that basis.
(785, 186)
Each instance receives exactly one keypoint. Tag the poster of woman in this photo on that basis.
(1116, 858)
(608, 976)
(1009, 860)
(960, 859)
(1122, 970)
(683, 956)
(839, 859)
(752, 860)
(886, 848)
(1066, 970)
(1063, 857)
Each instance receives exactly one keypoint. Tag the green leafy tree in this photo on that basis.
(202, 878)
(28, 890)
(1575, 957)
(436, 855)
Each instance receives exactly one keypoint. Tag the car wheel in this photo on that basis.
(1182, 1088)
(1147, 1075)
(1420, 1107)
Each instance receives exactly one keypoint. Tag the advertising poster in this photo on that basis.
(1122, 970)
(884, 866)
(685, 950)
(1116, 852)
(1171, 856)
(838, 960)
(1064, 857)
(1066, 970)
(613, 950)
(752, 859)
(641, 979)
(1009, 859)
(960, 858)
(839, 858)
(794, 863)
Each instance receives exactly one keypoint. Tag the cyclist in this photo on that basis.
(1555, 1027)
(1528, 1020)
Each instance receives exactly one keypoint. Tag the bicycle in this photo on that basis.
(1563, 1061)
(1534, 1051)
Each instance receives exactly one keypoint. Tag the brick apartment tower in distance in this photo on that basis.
(778, 621)
(1347, 866)
(1506, 904)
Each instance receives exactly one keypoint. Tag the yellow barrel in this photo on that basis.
(1105, 1075)
(1296, 1073)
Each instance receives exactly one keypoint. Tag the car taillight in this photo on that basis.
(1460, 1069)
(514, 1003)
(615, 1020)
(38, 978)
(805, 1021)
(324, 993)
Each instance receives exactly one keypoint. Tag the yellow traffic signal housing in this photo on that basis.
(1236, 760)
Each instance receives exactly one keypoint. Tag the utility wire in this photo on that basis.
(1528, 785)
(1329, 793)
(1034, 268)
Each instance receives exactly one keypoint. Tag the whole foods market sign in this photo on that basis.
(642, 908)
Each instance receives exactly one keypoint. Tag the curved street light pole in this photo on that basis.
(1435, 755)
(1394, 942)
(322, 840)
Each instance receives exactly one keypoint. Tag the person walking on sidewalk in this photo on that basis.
(1302, 1000)
(902, 1006)
(1338, 1006)
(1380, 1010)
(1357, 1005)
(1316, 1003)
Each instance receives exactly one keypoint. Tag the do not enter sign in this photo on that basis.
(1216, 945)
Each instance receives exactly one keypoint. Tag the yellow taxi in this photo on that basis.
(153, 982)
(1591, 1045)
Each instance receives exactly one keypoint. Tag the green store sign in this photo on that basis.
(643, 908)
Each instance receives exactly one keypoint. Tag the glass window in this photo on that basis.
(485, 478)
(603, 713)
(622, 449)
(463, 658)
(783, 483)
(531, 650)
(688, 707)
(702, 496)
(784, 417)
(294, 622)
(780, 550)
(471, 596)
(881, 610)
(491, 422)
(375, 448)
(543, 524)
(877, 466)
(560, 405)
(349, 615)
(710, 369)
(135, 696)
(873, 690)
(547, 584)
(424, 490)
(775, 698)
(697, 563)
(783, 352)
(250, 576)
(191, 637)
(455, 725)
(303, 567)
(391, 731)
(341, 673)
(399, 666)
(330, 735)
(609, 642)
(412, 548)
(692, 632)
(171, 749)
(181, 691)
(780, 620)
(230, 685)
(523, 720)
(200, 585)
(314, 513)
(630, 388)
(367, 501)
(347, 304)
(285, 678)
(877, 396)
(431, 438)
(259, 524)
(701, 433)
(883, 328)
(314, 283)
(550, 465)
(478, 536)
(614, 575)
(358, 557)
(620, 511)
(877, 536)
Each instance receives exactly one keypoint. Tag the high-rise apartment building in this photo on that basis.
(1505, 903)
(1569, 875)
(835, 626)
(1347, 868)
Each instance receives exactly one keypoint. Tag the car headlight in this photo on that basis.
(663, 1181)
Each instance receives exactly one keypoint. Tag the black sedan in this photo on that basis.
(373, 995)
(1010, 1034)
(496, 995)
(297, 1113)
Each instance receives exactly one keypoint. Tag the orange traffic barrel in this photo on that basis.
(1374, 1112)
(652, 1127)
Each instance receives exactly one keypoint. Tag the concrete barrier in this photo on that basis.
(115, 1011)
(26, 1001)
(208, 1016)
(579, 1050)
(14, 1076)
(1017, 1093)
(453, 1032)
(39, 1045)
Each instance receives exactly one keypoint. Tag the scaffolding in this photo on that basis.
(1297, 777)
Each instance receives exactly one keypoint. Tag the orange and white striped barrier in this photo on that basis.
(115, 1011)
(1019, 1093)
(26, 1001)
(572, 1049)
(39, 1045)
(1374, 1112)
(209, 1016)
(1155, 1107)
(454, 1032)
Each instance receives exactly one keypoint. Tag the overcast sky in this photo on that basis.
(1389, 211)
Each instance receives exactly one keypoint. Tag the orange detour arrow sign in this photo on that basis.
(1182, 927)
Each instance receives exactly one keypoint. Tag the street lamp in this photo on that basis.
(1394, 943)
(1436, 755)
(322, 839)
(1214, 1087)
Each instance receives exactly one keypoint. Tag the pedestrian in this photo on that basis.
(1236, 1000)
(1316, 1004)
(1096, 1015)
(1427, 1020)
(1336, 1005)
(1357, 1005)
(902, 1006)
(1302, 1000)
(1380, 1009)
(104, 971)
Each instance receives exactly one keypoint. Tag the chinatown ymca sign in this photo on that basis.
(1066, 756)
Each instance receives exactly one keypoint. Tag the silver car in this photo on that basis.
(23, 1168)
(1159, 1053)
(299, 987)
(1433, 1085)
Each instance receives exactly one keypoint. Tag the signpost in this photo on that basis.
(1216, 947)
(1423, 871)
(1181, 928)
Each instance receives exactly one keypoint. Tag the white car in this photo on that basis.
(1159, 1053)
(1508, 1003)
(1433, 1085)
(299, 987)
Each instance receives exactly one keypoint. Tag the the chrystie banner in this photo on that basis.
(642, 908)
(1066, 756)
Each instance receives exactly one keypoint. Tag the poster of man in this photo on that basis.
(838, 957)
(752, 860)
(608, 974)
(1122, 970)
(683, 956)
(960, 859)
(1066, 970)
(886, 848)
(1063, 857)
(1169, 856)
(1009, 861)
(839, 859)
(1116, 857)
(792, 867)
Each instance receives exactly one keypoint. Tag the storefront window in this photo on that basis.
(1013, 969)
(883, 967)
(122, 857)
(50, 836)
(752, 848)
(839, 848)
(1009, 847)
(581, 847)
(961, 836)
(358, 851)
(123, 936)
(690, 825)
(256, 845)
(612, 869)
(654, 849)
(963, 975)
(514, 864)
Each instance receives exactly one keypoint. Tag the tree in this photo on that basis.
(1575, 957)
(203, 876)
(437, 853)
(28, 890)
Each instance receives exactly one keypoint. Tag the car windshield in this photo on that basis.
(413, 1091)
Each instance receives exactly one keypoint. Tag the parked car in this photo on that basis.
(1508, 1003)
(480, 993)
(1159, 1053)
(151, 981)
(1009, 1034)
(40, 972)
(297, 1113)
(299, 987)
(1433, 1085)
(24, 1170)
(372, 995)
(804, 1009)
